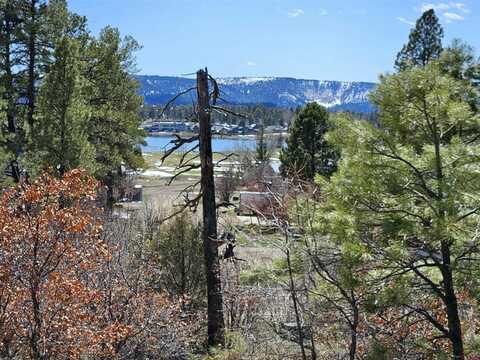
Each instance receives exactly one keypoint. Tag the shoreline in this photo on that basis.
(214, 136)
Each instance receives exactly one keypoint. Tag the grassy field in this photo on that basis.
(252, 235)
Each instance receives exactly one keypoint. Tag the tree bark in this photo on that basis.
(9, 80)
(454, 323)
(354, 333)
(13, 145)
(32, 61)
(295, 304)
(450, 299)
(216, 326)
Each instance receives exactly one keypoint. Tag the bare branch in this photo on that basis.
(214, 95)
(177, 144)
(184, 155)
(227, 111)
(184, 170)
(224, 158)
(168, 104)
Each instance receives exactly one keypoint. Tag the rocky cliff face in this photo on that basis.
(280, 92)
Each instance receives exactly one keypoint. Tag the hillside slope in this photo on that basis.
(280, 92)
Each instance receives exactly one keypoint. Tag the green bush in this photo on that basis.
(177, 252)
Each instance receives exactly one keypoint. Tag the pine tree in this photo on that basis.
(11, 60)
(100, 92)
(4, 156)
(60, 138)
(307, 152)
(459, 61)
(261, 150)
(45, 24)
(113, 127)
(33, 16)
(29, 33)
(413, 188)
(424, 43)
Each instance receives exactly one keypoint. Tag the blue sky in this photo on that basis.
(352, 40)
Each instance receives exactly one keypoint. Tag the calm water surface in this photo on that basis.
(162, 143)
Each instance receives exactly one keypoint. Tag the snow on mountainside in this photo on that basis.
(281, 92)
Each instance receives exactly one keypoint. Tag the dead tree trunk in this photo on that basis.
(216, 326)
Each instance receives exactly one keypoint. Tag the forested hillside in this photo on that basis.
(270, 91)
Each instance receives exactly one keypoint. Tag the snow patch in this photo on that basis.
(329, 104)
(243, 80)
(156, 173)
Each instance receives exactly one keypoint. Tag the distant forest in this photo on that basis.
(256, 113)
(250, 114)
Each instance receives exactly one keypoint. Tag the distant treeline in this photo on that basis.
(249, 114)
(256, 113)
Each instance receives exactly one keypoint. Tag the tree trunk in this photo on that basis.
(353, 337)
(13, 145)
(295, 303)
(450, 300)
(454, 324)
(109, 183)
(9, 91)
(32, 60)
(313, 350)
(36, 326)
(216, 326)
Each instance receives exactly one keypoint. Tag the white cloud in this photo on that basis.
(296, 13)
(449, 17)
(323, 12)
(436, 7)
(458, 6)
(251, 63)
(450, 11)
(405, 21)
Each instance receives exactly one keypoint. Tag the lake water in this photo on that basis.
(162, 143)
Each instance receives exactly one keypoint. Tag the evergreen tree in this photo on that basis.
(60, 135)
(176, 248)
(307, 152)
(424, 43)
(113, 126)
(60, 22)
(460, 62)
(29, 32)
(33, 14)
(10, 59)
(4, 156)
(11, 66)
(33, 47)
(413, 188)
(261, 150)
(45, 25)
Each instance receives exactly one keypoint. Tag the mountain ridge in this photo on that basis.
(275, 91)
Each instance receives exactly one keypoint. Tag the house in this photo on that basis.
(168, 126)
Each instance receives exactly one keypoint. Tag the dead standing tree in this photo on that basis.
(209, 232)
(206, 104)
